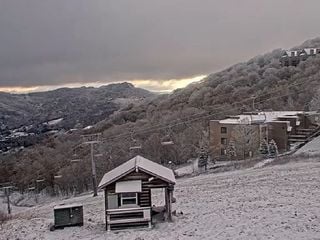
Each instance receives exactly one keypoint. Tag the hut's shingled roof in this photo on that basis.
(142, 164)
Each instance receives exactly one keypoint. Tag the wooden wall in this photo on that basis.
(144, 198)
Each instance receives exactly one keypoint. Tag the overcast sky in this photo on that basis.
(66, 42)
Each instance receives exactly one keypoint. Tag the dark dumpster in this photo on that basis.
(68, 215)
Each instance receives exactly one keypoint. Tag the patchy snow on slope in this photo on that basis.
(54, 122)
(264, 162)
(278, 202)
(311, 148)
(188, 169)
(19, 134)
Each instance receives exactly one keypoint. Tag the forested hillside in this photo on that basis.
(26, 119)
(261, 80)
(84, 106)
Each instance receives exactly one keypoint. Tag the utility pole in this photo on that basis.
(91, 140)
(253, 103)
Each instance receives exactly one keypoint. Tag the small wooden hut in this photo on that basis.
(127, 190)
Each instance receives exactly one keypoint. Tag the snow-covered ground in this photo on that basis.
(311, 148)
(276, 202)
(263, 163)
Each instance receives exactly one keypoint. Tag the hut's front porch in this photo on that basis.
(127, 217)
(139, 213)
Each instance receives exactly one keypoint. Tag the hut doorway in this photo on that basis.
(158, 203)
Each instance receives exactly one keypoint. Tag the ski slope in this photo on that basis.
(311, 148)
(278, 202)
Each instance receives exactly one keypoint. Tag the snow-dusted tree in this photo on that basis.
(203, 158)
(231, 150)
(273, 149)
(264, 148)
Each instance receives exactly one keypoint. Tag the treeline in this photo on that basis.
(187, 112)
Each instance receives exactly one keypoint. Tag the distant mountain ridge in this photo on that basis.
(27, 119)
(83, 106)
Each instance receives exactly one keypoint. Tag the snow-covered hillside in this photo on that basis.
(278, 202)
(311, 148)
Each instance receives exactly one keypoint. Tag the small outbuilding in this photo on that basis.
(127, 190)
(68, 215)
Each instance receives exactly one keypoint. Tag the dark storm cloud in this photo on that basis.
(51, 42)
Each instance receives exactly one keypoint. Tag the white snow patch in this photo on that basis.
(19, 134)
(263, 163)
(54, 122)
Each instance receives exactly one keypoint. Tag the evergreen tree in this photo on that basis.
(231, 150)
(264, 148)
(273, 149)
(203, 158)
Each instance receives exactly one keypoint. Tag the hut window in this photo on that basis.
(129, 199)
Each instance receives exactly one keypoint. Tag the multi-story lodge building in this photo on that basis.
(239, 137)
(294, 57)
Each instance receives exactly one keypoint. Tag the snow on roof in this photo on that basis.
(139, 163)
(63, 206)
(288, 53)
(308, 50)
(260, 117)
(155, 169)
(117, 173)
(295, 53)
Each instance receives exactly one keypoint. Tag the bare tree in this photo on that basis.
(246, 140)
(315, 102)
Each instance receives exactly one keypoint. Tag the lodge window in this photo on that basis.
(223, 130)
(224, 141)
(128, 199)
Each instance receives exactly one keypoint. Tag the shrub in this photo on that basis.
(3, 217)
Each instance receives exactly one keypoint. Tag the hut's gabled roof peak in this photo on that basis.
(139, 163)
